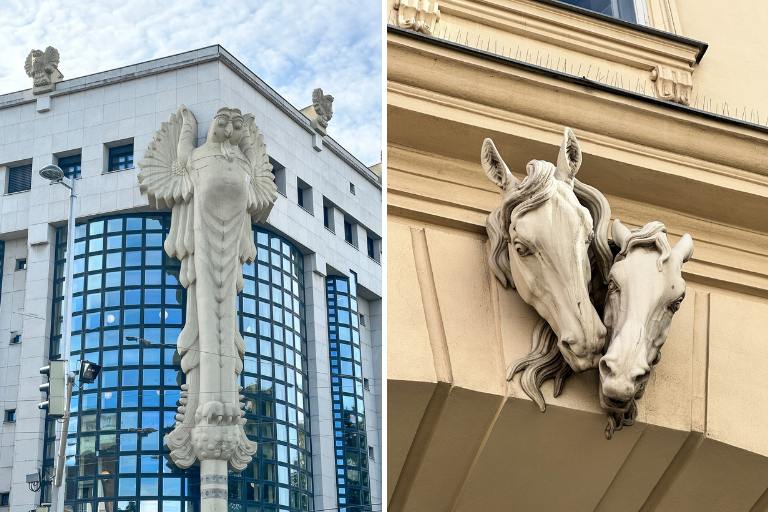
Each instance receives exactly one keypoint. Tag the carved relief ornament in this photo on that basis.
(673, 84)
(418, 15)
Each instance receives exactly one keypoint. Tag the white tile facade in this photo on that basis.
(91, 112)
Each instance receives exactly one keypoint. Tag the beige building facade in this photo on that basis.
(671, 113)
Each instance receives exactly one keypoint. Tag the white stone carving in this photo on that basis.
(545, 242)
(418, 15)
(216, 192)
(43, 68)
(645, 290)
(323, 105)
(673, 84)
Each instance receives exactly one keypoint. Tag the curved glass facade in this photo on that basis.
(350, 440)
(128, 309)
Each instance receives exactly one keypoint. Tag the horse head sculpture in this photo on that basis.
(553, 249)
(645, 289)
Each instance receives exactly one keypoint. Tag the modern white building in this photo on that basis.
(310, 310)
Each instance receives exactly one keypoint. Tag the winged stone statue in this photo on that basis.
(323, 105)
(215, 192)
(43, 67)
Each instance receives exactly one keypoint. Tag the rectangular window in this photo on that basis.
(5, 499)
(366, 382)
(348, 233)
(370, 453)
(278, 170)
(362, 319)
(626, 10)
(15, 337)
(10, 415)
(328, 220)
(370, 245)
(19, 178)
(21, 264)
(70, 165)
(304, 195)
(120, 158)
(351, 188)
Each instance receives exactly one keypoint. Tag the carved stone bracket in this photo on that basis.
(673, 84)
(418, 15)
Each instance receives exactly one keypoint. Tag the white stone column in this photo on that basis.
(320, 402)
(35, 321)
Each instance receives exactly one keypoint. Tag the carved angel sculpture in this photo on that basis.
(215, 191)
(323, 105)
(43, 67)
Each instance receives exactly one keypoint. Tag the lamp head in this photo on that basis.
(52, 173)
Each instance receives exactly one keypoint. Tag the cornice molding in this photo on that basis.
(572, 27)
(450, 192)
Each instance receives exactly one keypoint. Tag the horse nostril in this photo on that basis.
(605, 368)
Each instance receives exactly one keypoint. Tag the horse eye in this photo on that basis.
(590, 238)
(612, 286)
(522, 249)
(675, 305)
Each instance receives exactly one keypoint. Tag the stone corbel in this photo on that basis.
(673, 84)
(418, 15)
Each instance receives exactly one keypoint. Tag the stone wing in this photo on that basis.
(51, 56)
(164, 176)
(262, 191)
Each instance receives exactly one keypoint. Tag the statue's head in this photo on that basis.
(228, 126)
(645, 289)
(541, 237)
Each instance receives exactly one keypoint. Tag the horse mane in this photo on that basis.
(545, 361)
(652, 234)
(537, 187)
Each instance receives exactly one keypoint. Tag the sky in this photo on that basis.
(293, 45)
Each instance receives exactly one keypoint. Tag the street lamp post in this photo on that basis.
(55, 175)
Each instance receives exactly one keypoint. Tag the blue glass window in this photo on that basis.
(353, 484)
(120, 158)
(70, 165)
(130, 310)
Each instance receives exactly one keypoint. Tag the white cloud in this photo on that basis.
(294, 46)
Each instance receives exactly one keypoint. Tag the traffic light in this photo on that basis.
(55, 387)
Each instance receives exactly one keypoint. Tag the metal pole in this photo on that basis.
(66, 336)
(62, 448)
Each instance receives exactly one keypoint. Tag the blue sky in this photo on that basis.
(294, 45)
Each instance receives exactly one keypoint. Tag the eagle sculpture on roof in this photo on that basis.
(323, 107)
(43, 67)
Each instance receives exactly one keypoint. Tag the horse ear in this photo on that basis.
(620, 233)
(569, 159)
(684, 248)
(494, 167)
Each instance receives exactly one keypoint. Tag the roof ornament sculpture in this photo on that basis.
(216, 191)
(43, 68)
(548, 232)
(323, 105)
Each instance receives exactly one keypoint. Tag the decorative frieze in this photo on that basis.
(673, 84)
(418, 15)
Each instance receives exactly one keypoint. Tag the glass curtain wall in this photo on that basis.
(128, 310)
(350, 439)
